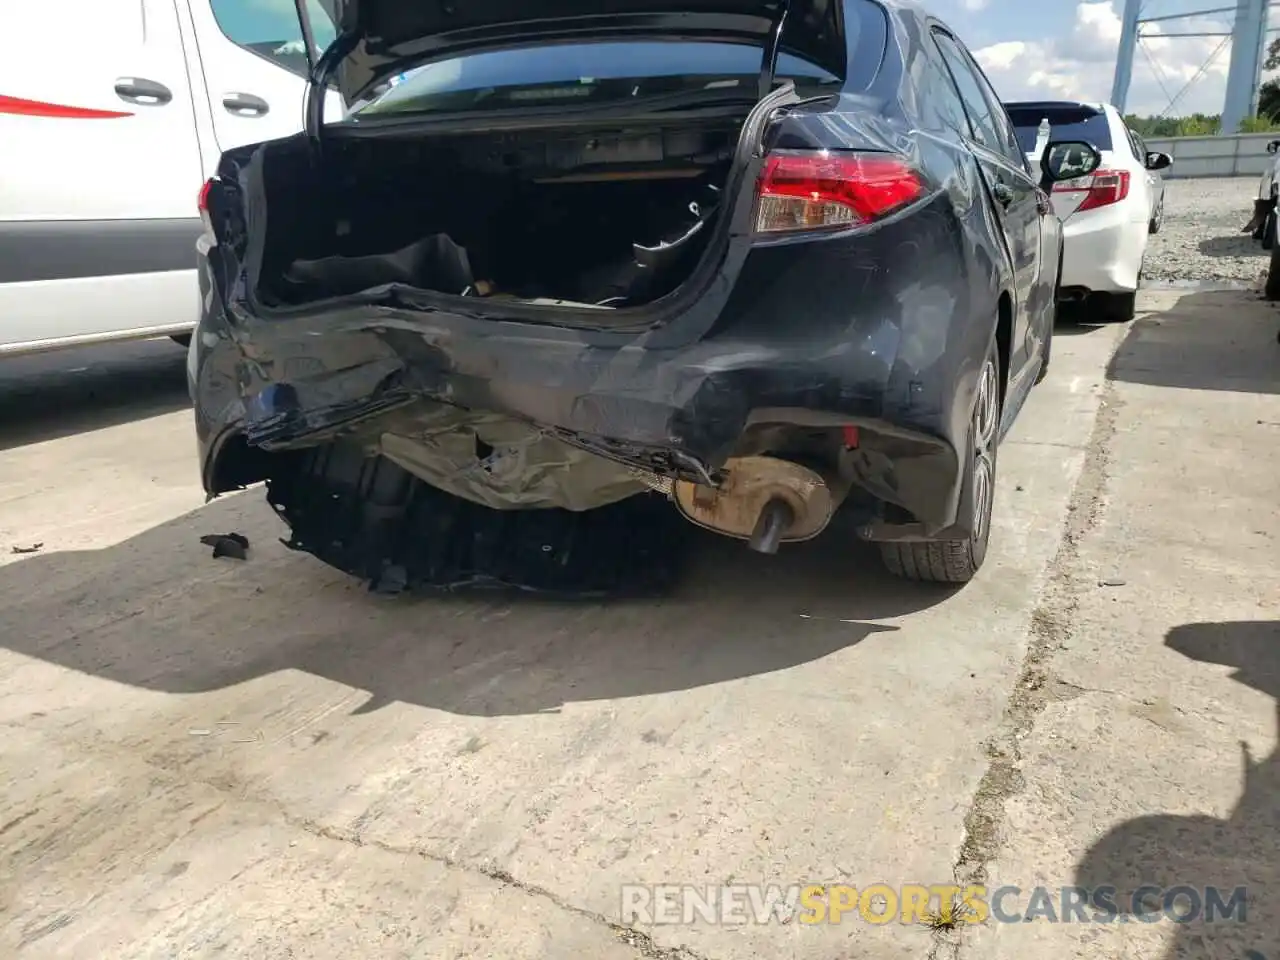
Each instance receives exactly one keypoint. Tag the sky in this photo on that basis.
(1067, 49)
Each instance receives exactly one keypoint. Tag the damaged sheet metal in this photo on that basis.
(882, 328)
(497, 461)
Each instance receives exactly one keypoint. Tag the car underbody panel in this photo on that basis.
(372, 519)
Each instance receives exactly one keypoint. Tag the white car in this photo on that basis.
(1109, 215)
(113, 113)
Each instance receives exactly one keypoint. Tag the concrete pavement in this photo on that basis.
(209, 758)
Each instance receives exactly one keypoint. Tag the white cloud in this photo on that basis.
(1081, 65)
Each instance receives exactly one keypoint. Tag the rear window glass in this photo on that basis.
(1087, 125)
(580, 73)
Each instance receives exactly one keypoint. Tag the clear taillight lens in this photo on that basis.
(803, 190)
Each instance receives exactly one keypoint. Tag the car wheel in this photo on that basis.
(181, 339)
(956, 561)
(1157, 218)
(1046, 351)
(1269, 232)
(1116, 307)
(1271, 289)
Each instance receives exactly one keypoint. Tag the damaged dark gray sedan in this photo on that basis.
(585, 267)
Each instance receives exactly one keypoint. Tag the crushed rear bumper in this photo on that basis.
(810, 338)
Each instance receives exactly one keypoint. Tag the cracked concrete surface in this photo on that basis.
(209, 758)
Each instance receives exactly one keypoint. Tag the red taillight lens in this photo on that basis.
(814, 191)
(1101, 188)
(202, 204)
(202, 201)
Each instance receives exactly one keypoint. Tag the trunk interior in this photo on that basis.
(609, 218)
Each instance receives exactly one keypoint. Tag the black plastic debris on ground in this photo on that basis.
(27, 548)
(233, 545)
(375, 521)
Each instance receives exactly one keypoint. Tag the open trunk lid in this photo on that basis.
(378, 39)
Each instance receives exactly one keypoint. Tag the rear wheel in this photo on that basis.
(1046, 351)
(181, 339)
(1157, 218)
(1116, 307)
(1269, 232)
(956, 561)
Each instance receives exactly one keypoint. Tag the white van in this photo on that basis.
(113, 113)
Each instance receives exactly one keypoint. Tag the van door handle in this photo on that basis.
(245, 104)
(148, 93)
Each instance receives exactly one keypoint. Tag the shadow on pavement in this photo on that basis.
(157, 612)
(1075, 319)
(1214, 340)
(1237, 245)
(64, 392)
(1239, 850)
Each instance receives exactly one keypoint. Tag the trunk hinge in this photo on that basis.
(321, 66)
(769, 62)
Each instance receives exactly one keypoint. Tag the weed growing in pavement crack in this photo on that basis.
(1050, 630)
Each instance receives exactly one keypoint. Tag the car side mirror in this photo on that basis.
(1273, 146)
(1159, 161)
(1066, 160)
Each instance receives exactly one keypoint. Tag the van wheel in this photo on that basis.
(181, 339)
(1269, 232)
(957, 561)
(1157, 218)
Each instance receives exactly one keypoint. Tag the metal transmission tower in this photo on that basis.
(1248, 37)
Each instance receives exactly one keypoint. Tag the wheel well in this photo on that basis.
(1004, 340)
(237, 465)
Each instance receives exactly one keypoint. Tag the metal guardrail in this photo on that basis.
(1241, 155)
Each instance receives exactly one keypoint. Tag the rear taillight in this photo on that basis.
(823, 190)
(202, 204)
(1101, 188)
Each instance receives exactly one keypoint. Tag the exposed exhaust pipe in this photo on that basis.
(765, 501)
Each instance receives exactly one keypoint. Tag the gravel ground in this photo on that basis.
(1201, 238)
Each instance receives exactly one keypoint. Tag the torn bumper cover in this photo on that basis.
(516, 415)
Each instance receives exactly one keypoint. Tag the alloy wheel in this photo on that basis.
(986, 422)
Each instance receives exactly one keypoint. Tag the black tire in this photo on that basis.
(1269, 232)
(1046, 353)
(1116, 307)
(957, 561)
(1157, 219)
(1056, 314)
(1271, 289)
(181, 339)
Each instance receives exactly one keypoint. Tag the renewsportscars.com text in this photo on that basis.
(669, 904)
